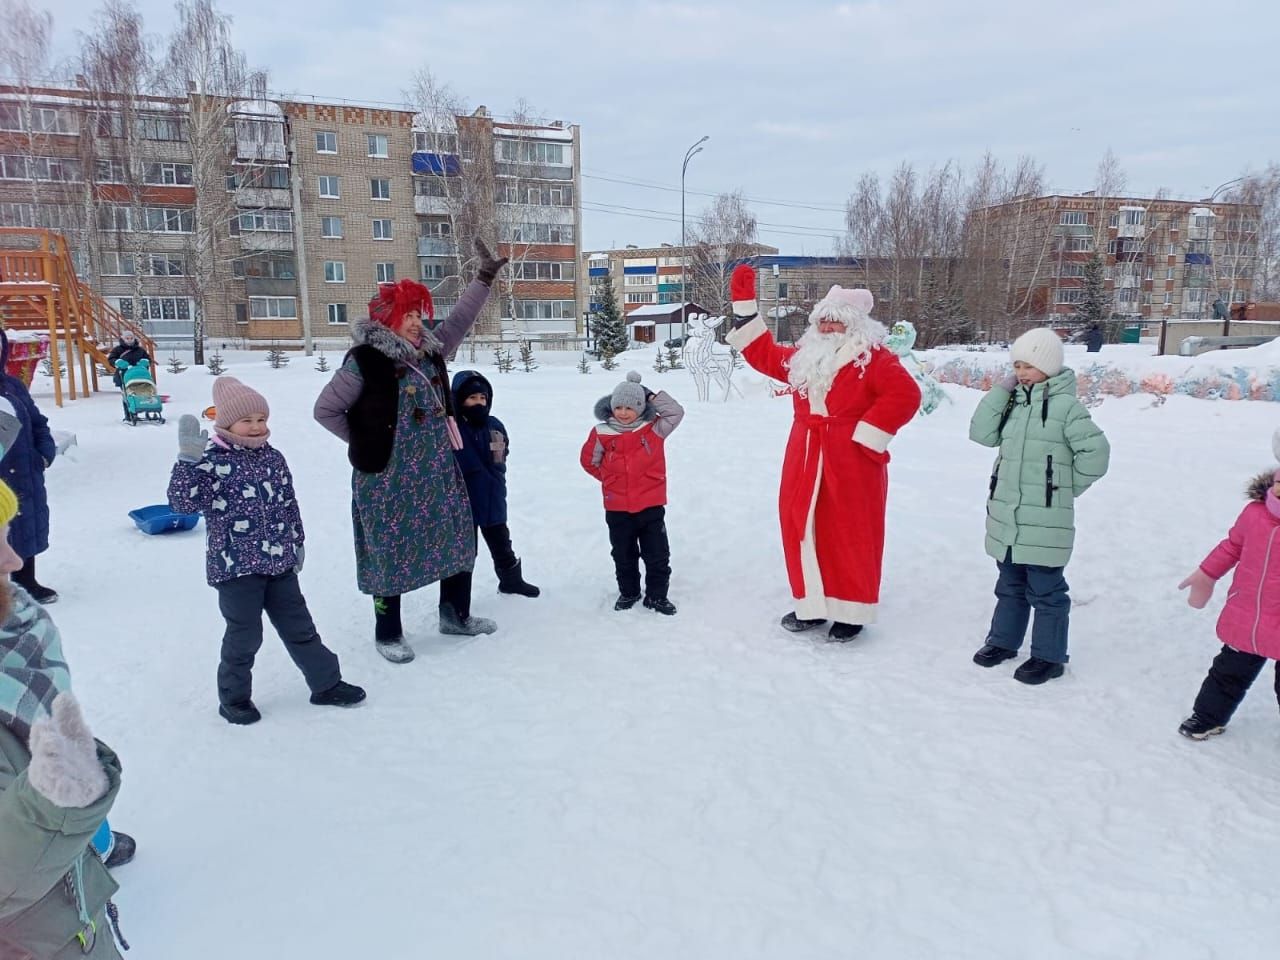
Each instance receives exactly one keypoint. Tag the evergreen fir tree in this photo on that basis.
(215, 364)
(322, 363)
(527, 362)
(660, 364)
(584, 364)
(1096, 305)
(503, 360)
(175, 364)
(674, 360)
(606, 359)
(276, 357)
(610, 324)
(46, 367)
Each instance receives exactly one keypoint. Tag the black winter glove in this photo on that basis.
(488, 267)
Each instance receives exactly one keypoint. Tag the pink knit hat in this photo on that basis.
(234, 401)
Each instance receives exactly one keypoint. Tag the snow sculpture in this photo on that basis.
(900, 340)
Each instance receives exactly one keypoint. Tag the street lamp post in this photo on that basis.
(684, 253)
(1226, 326)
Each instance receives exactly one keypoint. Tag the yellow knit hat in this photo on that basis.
(8, 504)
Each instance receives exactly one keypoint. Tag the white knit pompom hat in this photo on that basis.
(1042, 348)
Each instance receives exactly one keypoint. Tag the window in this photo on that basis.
(53, 169)
(124, 305)
(557, 270)
(52, 216)
(544, 309)
(160, 128)
(384, 272)
(377, 145)
(1078, 245)
(11, 117)
(331, 227)
(529, 151)
(116, 264)
(544, 196)
(425, 141)
(177, 174)
(335, 271)
(1199, 246)
(436, 228)
(43, 119)
(272, 178)
(1074, 218)
(434, 271)
(1071, 269)
(1168, 273)
(1239, 296)
(1201, 220)
(642, 298)
(536, 233)
(382, 230)
(1134, 218)
(337, 313)
(271, 266)
(170, 219)
(1168, 299)
(273, 308)
(164, 265)
(329, 188)
(265, 221)
(1127, 297)
(380, 188)
(1070, 295)
(782, 290)
(242, 313)
(105, 123)
(113, 218)
(632, 279)
(1172, 250)
(327, 142)
(109, 171)
(165, 308)
(1113, 220)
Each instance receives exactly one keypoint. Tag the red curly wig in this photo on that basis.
(394, 300)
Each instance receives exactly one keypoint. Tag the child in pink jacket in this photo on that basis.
(1249, 626)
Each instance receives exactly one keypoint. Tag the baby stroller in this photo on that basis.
(138, 393)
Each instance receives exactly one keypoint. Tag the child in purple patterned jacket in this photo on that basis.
(254, 535)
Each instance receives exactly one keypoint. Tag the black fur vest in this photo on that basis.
(382, 358)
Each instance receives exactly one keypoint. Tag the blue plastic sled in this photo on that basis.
(160, 519)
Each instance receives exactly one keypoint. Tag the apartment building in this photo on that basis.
(644, 276)
(313, 206)
(1163, 258)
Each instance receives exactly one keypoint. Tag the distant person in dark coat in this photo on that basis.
(1094, 338)
(483, 461)
(23, 469)
(129, 350)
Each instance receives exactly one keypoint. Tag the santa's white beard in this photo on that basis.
(818, 357)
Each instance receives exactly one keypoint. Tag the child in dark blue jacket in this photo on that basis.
(483, 459)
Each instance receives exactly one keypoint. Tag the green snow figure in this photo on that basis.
(900, 340)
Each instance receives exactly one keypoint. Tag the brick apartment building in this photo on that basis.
(313, 206)
(1163, 258)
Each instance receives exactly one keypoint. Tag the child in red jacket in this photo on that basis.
(1249, 626)
(625, 453)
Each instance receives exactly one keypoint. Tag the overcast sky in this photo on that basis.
(800, 98)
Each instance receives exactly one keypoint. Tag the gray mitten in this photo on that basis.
(302, 553)
(10, 427)
(487, 267)
(1009, 381)
(191, 439)
(64, 759)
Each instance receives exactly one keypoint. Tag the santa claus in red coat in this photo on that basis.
(851, 397)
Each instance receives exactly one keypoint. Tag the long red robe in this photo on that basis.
(835, 481)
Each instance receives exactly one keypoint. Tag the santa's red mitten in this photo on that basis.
(742, 291)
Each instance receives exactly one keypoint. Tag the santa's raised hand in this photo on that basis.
(742, 291)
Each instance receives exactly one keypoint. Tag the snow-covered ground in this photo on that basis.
(592, 784)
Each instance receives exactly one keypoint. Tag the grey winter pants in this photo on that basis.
(242, 602)
(1020, 588)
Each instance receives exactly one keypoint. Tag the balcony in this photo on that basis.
(1199, 282)
(266, 240)
(263, 198)
(1073, 230)
(430, 206)
(437, 247)
(1202, 258)
(437, 164)
(270, 287)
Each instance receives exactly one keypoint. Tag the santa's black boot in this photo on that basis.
(793, 624)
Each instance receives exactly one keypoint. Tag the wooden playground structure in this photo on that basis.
(39, 291)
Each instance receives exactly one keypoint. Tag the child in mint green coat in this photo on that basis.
(1051, 452)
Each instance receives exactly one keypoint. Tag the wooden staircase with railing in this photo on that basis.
(39, 290)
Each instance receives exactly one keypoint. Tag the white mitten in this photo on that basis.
(64, 759)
